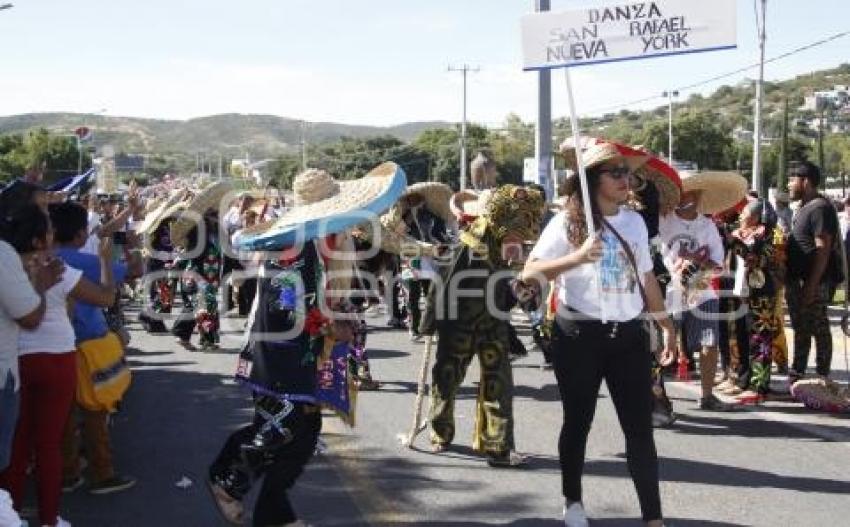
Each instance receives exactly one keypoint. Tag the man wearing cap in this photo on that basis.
(814, 269)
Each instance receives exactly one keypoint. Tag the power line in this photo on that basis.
(727, 75)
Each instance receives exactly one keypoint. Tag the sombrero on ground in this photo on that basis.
(719, 191)
(207, 199)
(822, 394)
(325, 206)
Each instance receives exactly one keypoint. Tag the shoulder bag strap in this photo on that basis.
(631, 255)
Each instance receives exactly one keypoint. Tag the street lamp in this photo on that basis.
(670, 95)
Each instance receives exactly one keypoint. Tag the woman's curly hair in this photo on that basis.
(576, 224)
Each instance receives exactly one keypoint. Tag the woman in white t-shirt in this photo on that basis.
(48, 369)
(604, 280)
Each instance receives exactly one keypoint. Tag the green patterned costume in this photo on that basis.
(458, 311)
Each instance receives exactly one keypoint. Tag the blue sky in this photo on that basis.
(353, 61)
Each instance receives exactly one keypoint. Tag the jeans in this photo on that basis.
(810, 321)
(96, 441)
(9, 405)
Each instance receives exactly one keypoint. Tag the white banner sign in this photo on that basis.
(627, 32)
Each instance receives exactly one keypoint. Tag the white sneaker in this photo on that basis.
(574, 516)
(8, 515)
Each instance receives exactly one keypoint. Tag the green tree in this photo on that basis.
(12, 157)
(698, 137)
(284, 169)
(59, 153)
(443, 146)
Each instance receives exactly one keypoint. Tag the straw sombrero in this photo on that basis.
(596, 154)
(822, 394)
(661, 174)
(163, 209)
(719, 190)
(467, 205)
(436, 196)
(391, 240)
(324, 206)
(208, 198)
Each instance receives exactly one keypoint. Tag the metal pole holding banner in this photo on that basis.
(582, 175)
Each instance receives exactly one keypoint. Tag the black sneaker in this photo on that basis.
(662, 419)
(510, 459)
(72, 484)
(713, 404)
(114, 484)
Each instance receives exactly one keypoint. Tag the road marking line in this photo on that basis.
(367, 496)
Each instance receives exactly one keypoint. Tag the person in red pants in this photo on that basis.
(48, 370)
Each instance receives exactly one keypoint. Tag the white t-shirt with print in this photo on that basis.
(694, 239)
(18, 299)
(55, 334)
(579, 289)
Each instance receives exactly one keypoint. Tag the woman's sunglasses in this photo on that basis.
(617, 172)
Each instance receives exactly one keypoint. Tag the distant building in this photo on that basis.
(742, 135)
(815, 123)
(837, 97)
(129, 163)
(839, 128)
(255, 170)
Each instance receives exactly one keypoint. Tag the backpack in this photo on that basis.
(103, 375)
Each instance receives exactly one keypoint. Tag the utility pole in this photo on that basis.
(783, 152)
(543, 130)
(757, 176)
(670, 95)
(79, 155)
(303, 145)
(464, 70)
(821, 157)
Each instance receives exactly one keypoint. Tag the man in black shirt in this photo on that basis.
(812, 269)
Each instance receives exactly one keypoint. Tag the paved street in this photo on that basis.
(779, 465)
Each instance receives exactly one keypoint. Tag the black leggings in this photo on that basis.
(584, 352)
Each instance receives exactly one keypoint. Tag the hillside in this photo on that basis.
(731, 104)
(228, 134)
